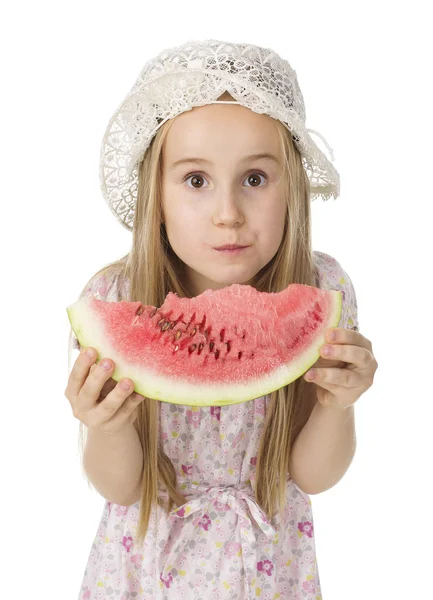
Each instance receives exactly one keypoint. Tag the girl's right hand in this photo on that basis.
(97, 400)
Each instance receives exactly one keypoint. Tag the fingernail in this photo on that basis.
(105, 365)
(90, 353)
(332, 336)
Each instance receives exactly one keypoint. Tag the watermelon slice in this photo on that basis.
(222, 347)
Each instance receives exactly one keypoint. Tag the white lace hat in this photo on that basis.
(194, 74)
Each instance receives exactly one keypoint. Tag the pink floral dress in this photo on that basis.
(219, 544)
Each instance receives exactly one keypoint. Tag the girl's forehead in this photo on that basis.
(221, 128)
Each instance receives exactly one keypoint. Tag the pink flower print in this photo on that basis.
(237, 439)
(221, 506)
(306, 527)
(121, 510)
(187, 469)
(127, 543)
(215, 411)
(308, 586)
(193, 417)
(205, 522)
(253, 461)
(266, 566)
(260, 407)
(164, 436)
(181, 512)
(136, 558)
(232, 548)
(168, 580)
(86, 595)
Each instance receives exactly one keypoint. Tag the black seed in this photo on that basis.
(239, 355)
(200, 347)
(192, 348)
(211, 345)
(228, 347)
(222, 332)
(217, 353)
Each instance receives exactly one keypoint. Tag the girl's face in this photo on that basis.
(215, 193)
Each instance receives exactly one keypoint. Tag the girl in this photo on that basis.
(210, 149)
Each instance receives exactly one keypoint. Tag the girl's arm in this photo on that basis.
(324, 449)
(114, 464)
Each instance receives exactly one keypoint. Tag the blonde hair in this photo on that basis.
(153, 269)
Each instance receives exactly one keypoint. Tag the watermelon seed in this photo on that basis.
(228, 347)
(239, 355)
(202, 324)
(193, 332)
(165, 326)
(222, 332)
(192, 319)
(139, 310)
(152, 313)
(176, 348)
(200, 347)
(192, 348)
(161, 321)
(211, 345)
(178, 334)
(217, 353)
(172, 324)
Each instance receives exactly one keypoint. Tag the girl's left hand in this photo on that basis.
(347, 372)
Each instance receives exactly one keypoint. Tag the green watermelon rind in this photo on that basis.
(194, 394)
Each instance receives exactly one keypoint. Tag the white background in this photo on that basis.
(365, 72)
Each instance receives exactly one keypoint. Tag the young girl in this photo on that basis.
(210, 149)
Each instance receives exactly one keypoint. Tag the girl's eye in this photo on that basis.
(252, 179)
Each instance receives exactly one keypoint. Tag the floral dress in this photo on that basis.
(219, 544)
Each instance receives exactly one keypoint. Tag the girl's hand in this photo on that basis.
(97, 400)
(344, 375)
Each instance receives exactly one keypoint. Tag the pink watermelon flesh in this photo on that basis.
(222, 347)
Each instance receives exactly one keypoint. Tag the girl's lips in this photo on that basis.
(231, 250)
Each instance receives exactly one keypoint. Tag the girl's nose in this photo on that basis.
(228, 210)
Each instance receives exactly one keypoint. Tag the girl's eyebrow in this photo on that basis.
(264, 155)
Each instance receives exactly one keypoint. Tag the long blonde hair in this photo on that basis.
(153, 269)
